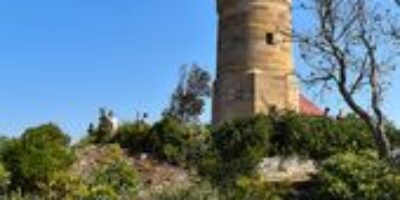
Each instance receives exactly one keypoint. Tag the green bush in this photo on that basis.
(100, 192)
(168, 140)
(237, 148)
(357, 176)
(40, 153)
(65, 186)
(249, 188)
(113, 177)
(197, 144)
(318, 137)
(4, 178)
(132, 136)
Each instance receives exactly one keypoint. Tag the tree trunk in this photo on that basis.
(377, 129)
(382, 142)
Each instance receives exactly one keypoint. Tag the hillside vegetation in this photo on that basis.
(171, 159)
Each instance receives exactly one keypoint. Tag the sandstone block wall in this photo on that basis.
(254, 65)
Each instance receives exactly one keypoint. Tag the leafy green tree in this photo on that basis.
(40, 153)
(188, 100)
(104, 130)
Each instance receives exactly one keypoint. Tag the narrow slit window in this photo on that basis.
(270, 38)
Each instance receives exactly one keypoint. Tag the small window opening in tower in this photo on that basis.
(270, 38)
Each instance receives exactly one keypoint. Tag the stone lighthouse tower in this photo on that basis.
(254, 68)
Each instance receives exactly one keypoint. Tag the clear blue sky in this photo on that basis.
(62, 60)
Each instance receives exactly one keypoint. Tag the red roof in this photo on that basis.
(307, 107)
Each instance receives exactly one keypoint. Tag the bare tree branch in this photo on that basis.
(352, 45)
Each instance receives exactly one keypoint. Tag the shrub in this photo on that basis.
(4, 178)
(247, 188)
(65, 186)
(168, 140)
(100, 192)
(113, 176)
(35, 157)
(318, 137)
(357, 176)
(132, 136)
(237, 148)
(105, 129)
(197, 144)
